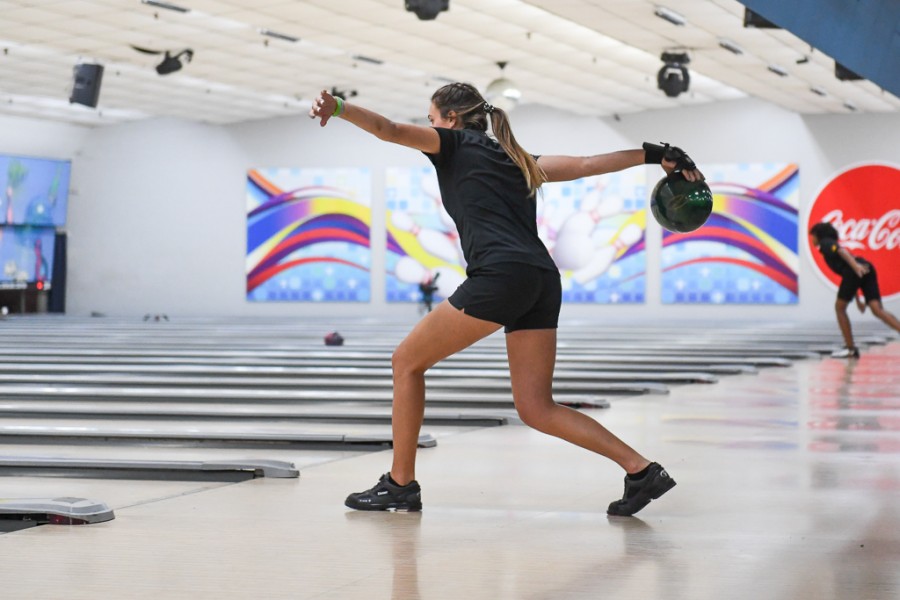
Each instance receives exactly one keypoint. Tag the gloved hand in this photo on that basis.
(655, 154)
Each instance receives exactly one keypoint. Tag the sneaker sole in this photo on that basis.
(641, 501)
(393, 507)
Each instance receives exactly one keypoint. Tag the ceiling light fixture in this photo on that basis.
(278, 36)
(730, 46)
(670, 15)
(171, 62)
(367, 59)
(673, 78)
(778, 70)
(427, 10)
(502, 92)
(850, 106)
(818, 91)
(342, 94)
(166, 6)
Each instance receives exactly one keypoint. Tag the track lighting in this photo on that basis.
(427, 10)
(502, 92)
(673, 78)
(670, 15)
(171, 62)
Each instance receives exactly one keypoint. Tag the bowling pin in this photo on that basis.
(606, 256)
(409, 271)
(573, 247)
(433, 241)
(449, 280)
(608, 206)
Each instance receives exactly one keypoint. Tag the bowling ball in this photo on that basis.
(334, 339)
(680, 205)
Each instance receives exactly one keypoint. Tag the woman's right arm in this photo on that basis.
(568, 168)
(858, 268)
(418, 137)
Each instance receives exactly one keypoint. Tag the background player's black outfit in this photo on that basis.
(850, 281)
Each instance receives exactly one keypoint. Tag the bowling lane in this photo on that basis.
(117, 494)
(349, 412)
(244, 433)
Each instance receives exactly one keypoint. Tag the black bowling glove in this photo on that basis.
(654, 154)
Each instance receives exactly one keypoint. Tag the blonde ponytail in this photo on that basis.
(533, 173)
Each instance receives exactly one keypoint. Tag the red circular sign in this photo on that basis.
(863, 204)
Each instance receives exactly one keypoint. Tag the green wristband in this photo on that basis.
(338, 108)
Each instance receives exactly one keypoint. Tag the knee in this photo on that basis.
(404, 362)
(536, 415)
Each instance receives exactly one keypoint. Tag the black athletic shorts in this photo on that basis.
(868, 283)
(515, 295)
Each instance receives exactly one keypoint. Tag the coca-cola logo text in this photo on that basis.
(863, 204)
(857, 234)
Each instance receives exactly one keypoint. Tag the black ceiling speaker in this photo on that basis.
(427, 10)
(845, 74)
(752, 19)
(86, 85)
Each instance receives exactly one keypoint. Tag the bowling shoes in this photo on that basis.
(387, 495)
(639, 492)
(846, 353)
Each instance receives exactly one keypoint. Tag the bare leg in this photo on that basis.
(442, 332)
(532, 355)
(840, 308)
(886, 316)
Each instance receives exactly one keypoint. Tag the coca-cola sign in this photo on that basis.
(863, 204)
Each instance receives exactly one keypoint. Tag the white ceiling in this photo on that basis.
(590, 57)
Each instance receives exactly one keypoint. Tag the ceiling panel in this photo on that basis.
(558, 51)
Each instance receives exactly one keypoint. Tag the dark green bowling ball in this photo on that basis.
(680, 205)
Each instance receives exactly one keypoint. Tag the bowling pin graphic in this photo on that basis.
(606, 255)
(573, 247)
(546, 231)
(408, 270)
(433, 241)
(601, 205)
(431, 189)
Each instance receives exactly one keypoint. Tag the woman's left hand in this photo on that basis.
(690, 174)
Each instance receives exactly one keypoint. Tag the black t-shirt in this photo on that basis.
(486, 195)
(829, 249)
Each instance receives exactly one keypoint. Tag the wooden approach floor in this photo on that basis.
(788, 488)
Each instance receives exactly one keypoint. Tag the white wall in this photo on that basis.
(47, 139)
(157, 224)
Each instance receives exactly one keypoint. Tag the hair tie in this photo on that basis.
(488, 108)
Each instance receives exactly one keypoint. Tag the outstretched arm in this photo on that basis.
(326, 106)
(568, 168)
